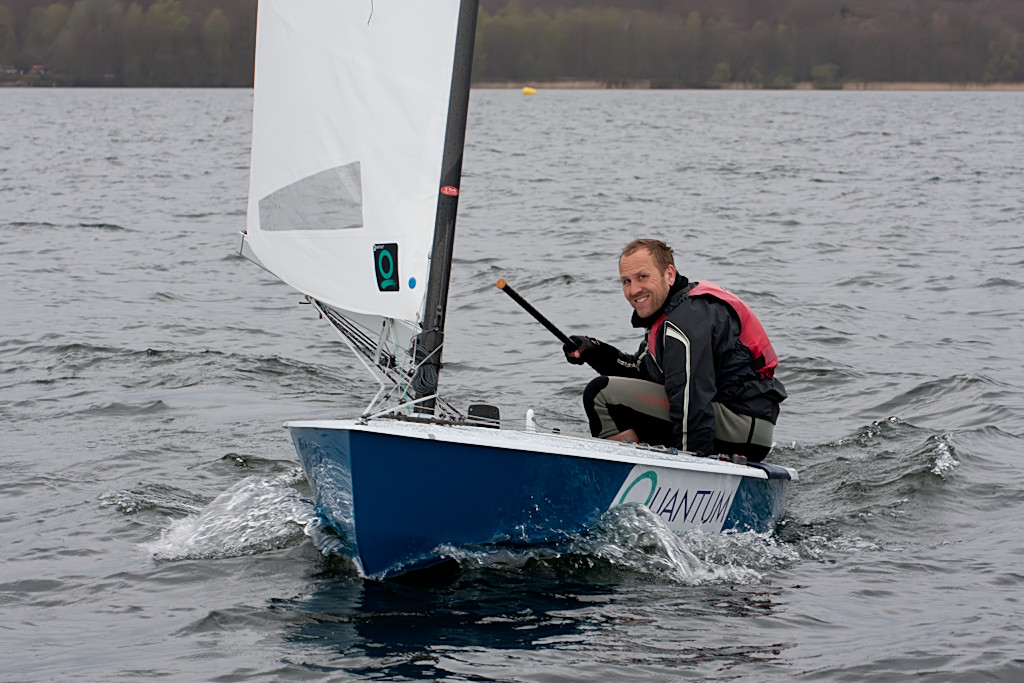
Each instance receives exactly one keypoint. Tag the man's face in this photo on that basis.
(644, 286)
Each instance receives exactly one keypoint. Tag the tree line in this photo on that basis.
(701, 43)
(140, 43)
(666, 43)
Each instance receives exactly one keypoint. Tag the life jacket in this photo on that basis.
(752, 334)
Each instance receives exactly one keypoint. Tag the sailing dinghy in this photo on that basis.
(359, 117)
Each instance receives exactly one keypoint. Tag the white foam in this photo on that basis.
(635, 540)
(945, 461)
(252, 516)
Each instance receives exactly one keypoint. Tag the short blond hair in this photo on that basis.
(661, 252)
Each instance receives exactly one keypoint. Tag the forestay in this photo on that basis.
(351, 103)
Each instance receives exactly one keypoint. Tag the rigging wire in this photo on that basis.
(385, 364)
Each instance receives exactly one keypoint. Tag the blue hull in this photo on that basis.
(399, 498)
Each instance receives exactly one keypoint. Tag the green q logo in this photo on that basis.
(386, 268)
(385, 261)
(651, 478)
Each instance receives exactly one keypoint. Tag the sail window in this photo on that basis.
(329, 200)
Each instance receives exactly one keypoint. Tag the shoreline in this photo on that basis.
(638, 84)
(909, 86)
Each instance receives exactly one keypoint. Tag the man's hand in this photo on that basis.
(582, 349)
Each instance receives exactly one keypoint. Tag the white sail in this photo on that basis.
(349, 112)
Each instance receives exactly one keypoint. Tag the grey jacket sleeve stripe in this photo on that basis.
(674, 333)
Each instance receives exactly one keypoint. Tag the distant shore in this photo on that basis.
(852, 85)
(641, 84)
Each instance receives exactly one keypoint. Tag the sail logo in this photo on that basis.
(450, 191)
(385, 260)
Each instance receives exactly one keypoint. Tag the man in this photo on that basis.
(703, 377)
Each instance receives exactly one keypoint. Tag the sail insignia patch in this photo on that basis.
(385, 265)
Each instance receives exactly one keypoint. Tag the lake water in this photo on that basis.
(152, 512)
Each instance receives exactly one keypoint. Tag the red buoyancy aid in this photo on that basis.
(752, 334)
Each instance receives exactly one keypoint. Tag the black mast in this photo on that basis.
(428, 344)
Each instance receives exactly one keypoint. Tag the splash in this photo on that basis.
(945, 456)
(633, 537)
(632, 540)
(252, 516)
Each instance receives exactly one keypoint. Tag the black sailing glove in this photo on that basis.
(585, 345)
(592, 351)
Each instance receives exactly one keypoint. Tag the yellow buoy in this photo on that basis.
(527, 90)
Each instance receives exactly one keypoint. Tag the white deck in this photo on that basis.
(539, 442)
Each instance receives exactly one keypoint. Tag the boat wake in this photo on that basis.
(253, 516)
(258, 515)
(907, 462)
(630, 540)
(831, 518)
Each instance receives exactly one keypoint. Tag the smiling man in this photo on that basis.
(703, 377)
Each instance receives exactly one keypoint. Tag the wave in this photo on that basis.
(820, 371)
(852, 489)
(46, 225)
(997, 282)
(159, 497)
(628, 540)
(123, 409)
(959, 401)
(18, 225)
(112, 227)
(44, 383)
(253, 516)
(881, 454)
(67, 360)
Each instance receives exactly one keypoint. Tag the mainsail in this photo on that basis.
(358, 129)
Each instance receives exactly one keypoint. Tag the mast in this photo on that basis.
(428, 344)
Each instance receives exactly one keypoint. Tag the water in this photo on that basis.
(153, 520)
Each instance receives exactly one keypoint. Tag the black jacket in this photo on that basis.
(699, 358)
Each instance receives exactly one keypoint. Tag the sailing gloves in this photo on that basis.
(592, 352)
